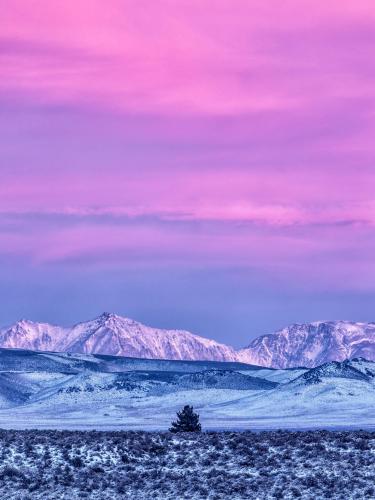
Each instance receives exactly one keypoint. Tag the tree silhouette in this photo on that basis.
(187, 421)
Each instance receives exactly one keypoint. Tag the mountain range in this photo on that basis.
(308, 345)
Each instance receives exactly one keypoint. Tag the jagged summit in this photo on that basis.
(110, 318)
(106, 315)
(109, 315)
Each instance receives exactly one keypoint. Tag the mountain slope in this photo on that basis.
(356, 369)
(29, 335)
(115, 335)
(312, 344)
(83, 391)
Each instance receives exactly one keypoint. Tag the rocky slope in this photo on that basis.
(312, 344)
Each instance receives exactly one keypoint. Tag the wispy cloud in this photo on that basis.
(190, 133)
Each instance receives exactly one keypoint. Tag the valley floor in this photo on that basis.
(211, 465)
(219, 409)
(92, 392)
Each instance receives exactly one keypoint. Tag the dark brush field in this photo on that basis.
(212, 465)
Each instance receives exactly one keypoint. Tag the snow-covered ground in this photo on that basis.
(47, 390)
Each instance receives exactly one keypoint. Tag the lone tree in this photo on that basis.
(187, 421)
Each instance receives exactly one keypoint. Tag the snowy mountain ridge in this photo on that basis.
(312, 344)
(115, 335)
(309, 344)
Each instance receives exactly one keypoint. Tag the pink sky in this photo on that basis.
(190, 134)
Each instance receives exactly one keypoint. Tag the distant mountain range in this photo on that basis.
(308, 345)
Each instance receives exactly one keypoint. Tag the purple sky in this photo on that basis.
(192, 164)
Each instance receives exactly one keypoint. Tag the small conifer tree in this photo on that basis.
(187, 421)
